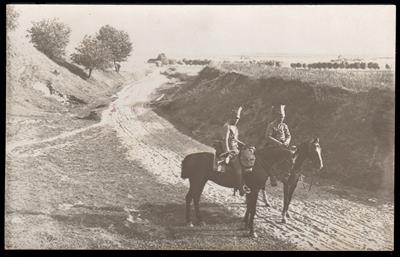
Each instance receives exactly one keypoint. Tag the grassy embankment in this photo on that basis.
(351, 112)
(43, 97)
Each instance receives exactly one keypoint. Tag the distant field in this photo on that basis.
(358, 80)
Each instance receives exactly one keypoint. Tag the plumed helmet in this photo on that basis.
(278, 109)
(236, 113)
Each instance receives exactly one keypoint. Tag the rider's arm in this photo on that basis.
(226, 138)
(240, 142)
(268, 136)
(287, 136)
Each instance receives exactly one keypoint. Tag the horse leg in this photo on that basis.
(265, 198)
(288, 193)
(293, 186)
(246, 215)
(189, 199)
(196, 200)
(253, 207)
(285, 199)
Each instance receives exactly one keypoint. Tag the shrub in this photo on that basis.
(11, 16)
(92, 54)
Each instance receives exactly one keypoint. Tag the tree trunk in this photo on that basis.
(115, 66)
(90, 72)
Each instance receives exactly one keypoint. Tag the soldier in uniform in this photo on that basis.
(277, 135)
(230, 144)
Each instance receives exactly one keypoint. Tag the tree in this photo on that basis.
(163, 58)
(50, 36)
(387, 66)
(11, 16)
(92, 54)
(119, 43)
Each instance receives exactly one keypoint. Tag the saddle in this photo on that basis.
(221, 159)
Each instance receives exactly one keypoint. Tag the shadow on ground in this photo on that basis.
(72, 68)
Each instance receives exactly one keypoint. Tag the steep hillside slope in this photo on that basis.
(356, 129)
(43, 97)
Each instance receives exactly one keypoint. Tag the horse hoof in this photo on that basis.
(201, 223)
(287, 215)
(283, 221)
(190, 224)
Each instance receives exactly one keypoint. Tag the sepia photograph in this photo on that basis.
(200, 127)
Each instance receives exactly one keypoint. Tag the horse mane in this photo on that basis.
(302, 146)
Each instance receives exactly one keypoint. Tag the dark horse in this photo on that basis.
(198, 167)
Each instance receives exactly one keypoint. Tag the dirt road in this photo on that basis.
(117, 185)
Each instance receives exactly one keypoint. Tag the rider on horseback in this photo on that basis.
(277, 134)
(230, 148)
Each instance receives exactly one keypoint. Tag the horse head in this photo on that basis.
(313, 151)
(247, 157)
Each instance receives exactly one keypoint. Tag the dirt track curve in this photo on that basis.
(320, 220)
(324, 219)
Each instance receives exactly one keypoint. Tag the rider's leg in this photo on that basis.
(272, 177)
(237, 172)
(273, 181)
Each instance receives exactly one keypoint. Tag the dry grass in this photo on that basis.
(358, 80)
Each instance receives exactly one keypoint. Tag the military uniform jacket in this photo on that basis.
(279, 131)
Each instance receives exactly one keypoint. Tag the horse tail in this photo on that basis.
(185, 168)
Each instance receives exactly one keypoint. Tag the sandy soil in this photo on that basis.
(116, 184)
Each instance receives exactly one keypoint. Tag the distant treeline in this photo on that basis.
(341, 65)
(270, 63)
(163, 60)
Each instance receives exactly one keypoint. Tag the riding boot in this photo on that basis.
(272, 180)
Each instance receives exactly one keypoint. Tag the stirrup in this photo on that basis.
(246, 189)
(220, 166)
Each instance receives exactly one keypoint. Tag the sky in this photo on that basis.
(179, 31)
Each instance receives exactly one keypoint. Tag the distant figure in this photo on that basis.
(230, 149)
(277, 134)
